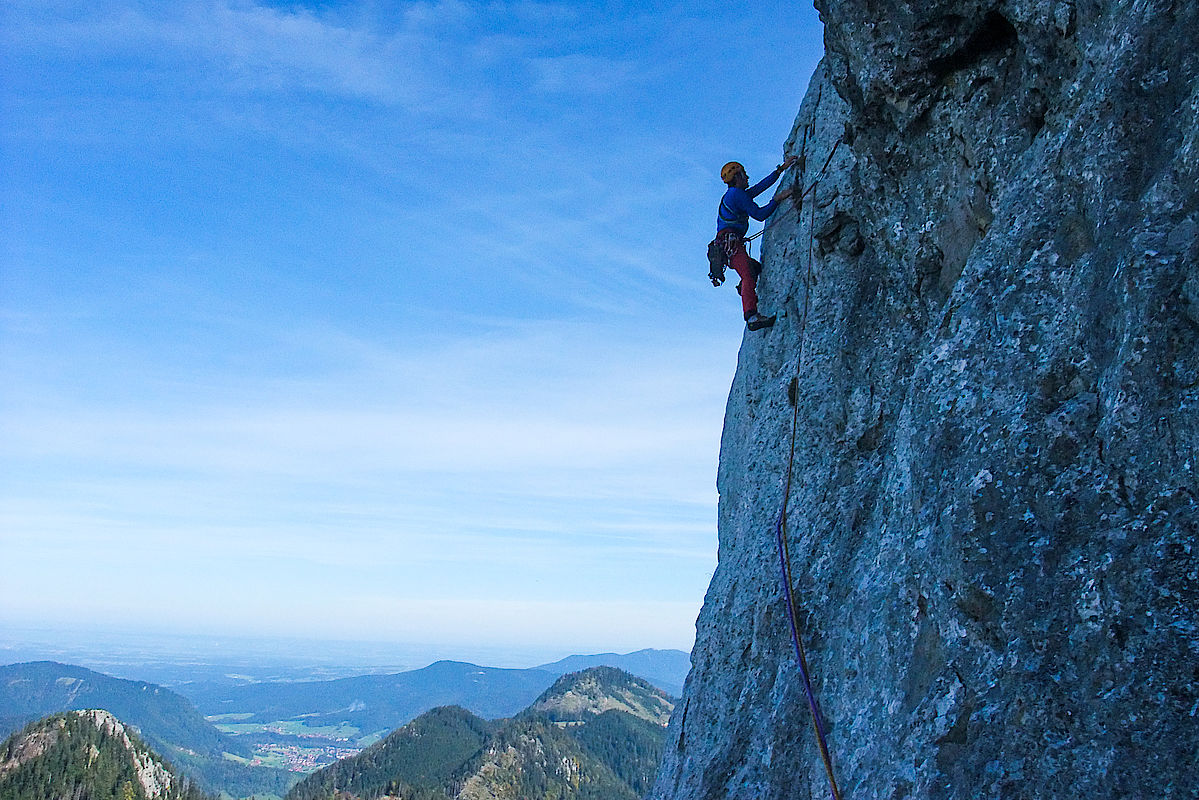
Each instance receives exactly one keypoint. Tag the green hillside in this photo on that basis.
(534, 759)
(415, 760)
(168, 721)
(86, 754)
(630, 746)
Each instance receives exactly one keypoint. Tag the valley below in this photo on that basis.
(240, 738)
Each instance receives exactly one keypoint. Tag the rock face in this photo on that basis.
(152, 774)
(993, 513)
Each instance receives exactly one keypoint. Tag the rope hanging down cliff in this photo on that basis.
(780, 527)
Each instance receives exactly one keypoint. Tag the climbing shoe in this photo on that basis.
(757, 322)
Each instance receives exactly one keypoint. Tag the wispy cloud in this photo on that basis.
(547, 395)
(392, 298)
(512, 460)
(427, 57)
(255, 47)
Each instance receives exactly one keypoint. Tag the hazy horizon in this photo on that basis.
(94, 648)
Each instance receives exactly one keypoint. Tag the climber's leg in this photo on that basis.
(744, 266)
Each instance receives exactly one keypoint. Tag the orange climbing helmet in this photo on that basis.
(728, 173)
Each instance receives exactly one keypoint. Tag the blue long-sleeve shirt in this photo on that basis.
(737, 206)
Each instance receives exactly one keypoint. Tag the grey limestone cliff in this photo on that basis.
(993, 516)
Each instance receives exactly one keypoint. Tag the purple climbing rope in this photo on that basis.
(800, 659)
(780, 525)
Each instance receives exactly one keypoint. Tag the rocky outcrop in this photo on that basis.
(579, 696)
(89, 754)
(993, 513)
(153, 776)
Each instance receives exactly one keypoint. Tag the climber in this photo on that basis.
(732, 223)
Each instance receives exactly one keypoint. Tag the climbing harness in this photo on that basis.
(720, 255)
(780, 526)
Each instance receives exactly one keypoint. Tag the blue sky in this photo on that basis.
(381, 320)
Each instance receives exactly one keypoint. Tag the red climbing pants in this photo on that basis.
(744, 266)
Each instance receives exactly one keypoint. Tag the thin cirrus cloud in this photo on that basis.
(398, 299)
(245, 46)
(428, 58)
(421, 460)
(524, 395)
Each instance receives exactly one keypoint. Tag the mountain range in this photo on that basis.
(666, 669)
(268, 733)
(168, 721)
(373, 703)
(593, 735)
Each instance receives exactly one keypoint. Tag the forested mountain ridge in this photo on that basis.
(530, 757)
(165, 719)
(416, 760)
(591, 750)
(86, 755)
